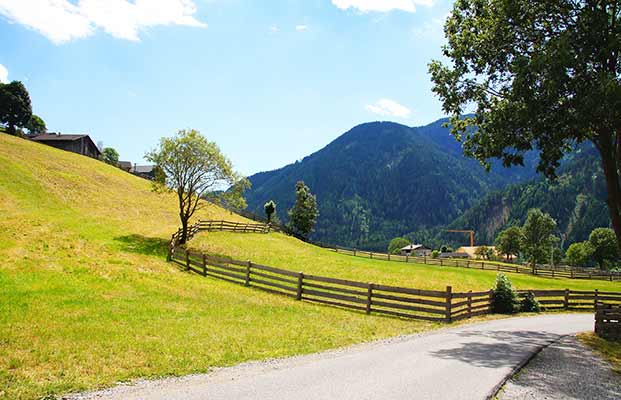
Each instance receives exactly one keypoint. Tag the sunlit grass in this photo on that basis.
(87, 299)
(289, 253)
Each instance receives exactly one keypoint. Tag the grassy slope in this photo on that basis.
(609, 349)
(285, 252)
(87, 300)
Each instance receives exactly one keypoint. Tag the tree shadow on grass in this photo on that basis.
(143, 245)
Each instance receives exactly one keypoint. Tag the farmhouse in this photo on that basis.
(471, 251)
(145, 171)
(81, 144)
(418, 250)
(125, 165)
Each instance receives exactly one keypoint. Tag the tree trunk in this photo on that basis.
(184, 230)
(611, 173)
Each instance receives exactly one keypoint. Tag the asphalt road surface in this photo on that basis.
(465, 362)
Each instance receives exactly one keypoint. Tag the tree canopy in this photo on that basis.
(36, 125)
(303, 215)
(15, 106)
(194, 168)
(508, 241)
(110, 156)
(539, 75)
(396, 244)
(537, 236)
(603, 245)
(579, 254)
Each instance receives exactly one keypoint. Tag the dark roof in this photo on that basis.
(49, 137)
(125, 164)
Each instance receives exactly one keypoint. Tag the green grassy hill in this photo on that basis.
(87, 299)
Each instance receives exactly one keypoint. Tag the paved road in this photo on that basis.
(465, 362)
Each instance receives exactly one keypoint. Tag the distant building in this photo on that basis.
(145, 171)
(125, 165)
(418, 250)
(80, 144)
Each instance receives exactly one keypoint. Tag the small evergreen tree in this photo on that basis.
(270, 209)
(303, 215)
(505, 297)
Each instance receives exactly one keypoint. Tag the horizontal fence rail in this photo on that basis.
(547, 272)
(428, 305)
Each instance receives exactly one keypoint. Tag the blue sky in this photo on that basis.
(270, 81)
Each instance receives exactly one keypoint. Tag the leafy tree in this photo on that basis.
(508, 241)
(270, 209)
(396, 244)
(194, 168)
(435, 254)
(110, 156)
(505, 297)
(579, 254)
(539, 74)
(446, 249)
(603, 243)
(36, 125)
(537, 236)
(15, 106)
(303, 215)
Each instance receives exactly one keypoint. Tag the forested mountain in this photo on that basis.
(577, 200)
(383, 179)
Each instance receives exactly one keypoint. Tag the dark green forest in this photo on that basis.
(381, 179)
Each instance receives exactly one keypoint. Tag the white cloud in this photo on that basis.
(61, 21)
(431, 30)
(301, 28)
(274, 29)
(381, 5)
(4, 74)
(389, 107)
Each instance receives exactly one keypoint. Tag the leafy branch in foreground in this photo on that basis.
(195, 169)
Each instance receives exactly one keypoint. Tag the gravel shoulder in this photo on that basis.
(565, 370)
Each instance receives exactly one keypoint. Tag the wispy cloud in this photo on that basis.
(61, 21)
(389, 107)
(4, 74)
(301, 28)
(431, 30)
(274, 29)
(381, 5)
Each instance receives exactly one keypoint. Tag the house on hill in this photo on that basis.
(80, 144)
(125, 165)
(144, 171)
(418, 250)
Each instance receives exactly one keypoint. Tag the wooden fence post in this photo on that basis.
(566, 302)
(482, 265)
(204, 265)
(247, 280)
(388, 256)
(407, 259)
(354, 252)
(470, 304)
(441, 263)
(369, 296)
(424, 259)
(449, 298)
(595, 299)
(298, 295)
(491, 302)
(187, 259)
(371, 254)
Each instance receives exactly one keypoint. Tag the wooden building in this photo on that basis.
(81, 144)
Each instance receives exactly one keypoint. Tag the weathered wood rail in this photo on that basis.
(547, 272)
(428, 305)
(608, 321)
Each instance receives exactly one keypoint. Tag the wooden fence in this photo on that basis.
(547, 272)
(608, 321)
(429, 305)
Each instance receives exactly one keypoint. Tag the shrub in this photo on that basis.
(396, 244)
(530, 303)
(505, 297)
(435, 254)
